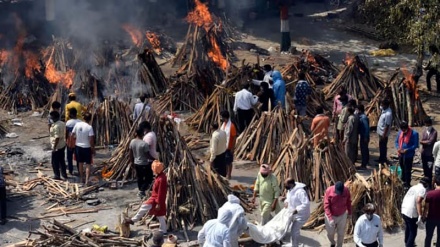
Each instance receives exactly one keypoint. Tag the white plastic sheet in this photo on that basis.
(274, 230)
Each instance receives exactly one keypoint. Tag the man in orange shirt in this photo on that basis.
(320, 125)
(231, 135)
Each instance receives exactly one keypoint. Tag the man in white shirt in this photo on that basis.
(368, 230)
(436, 154)
(412, 210)
(218, 150)
(151, 139)
(244, 101)
(267, 69)
(139, 106)
(85, 146)
(298, 201)
(215, 232)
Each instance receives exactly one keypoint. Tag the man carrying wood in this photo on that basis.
(218, 150)
(266, 186)
(2, 197)
(337, 207)
(244, 101)
(231, 136)
(407, 141)
(84, 146)
(350, 140)
(238, 223)
(384, 129)
(58, 145)
(412, 210)
(156, 204)
(141, 159)
(429, 137)
(319, 127)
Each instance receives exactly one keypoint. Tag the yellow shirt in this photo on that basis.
(79, 109)
(267, 188)
(58, 130)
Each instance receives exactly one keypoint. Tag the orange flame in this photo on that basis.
(201, 17)
(410, 83)
(154, 41)
(4, 57)
(32, 64)
(349, 59)
(55, 76)
(135, 34)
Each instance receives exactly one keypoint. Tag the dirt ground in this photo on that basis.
(31, 149)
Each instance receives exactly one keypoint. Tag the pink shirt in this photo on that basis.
(336, 205)
(151, 139)
(337, 105)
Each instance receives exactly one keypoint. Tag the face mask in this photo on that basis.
(429, 128)
(287, 187)
(264, 175)
(369, 216)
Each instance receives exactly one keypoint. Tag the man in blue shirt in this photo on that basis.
(2, 198)
(364, 136)
(407, 141)
(279, 88)
(302, 91)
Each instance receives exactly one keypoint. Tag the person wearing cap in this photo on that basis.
(337, 207)
(215, 232)
(297, 201)
(266, 186)
(407, 141)
(238, 223)
(156, 240)
(412, 210)
(267, 69)
(156, 204)
(368, 231)
(74, 104)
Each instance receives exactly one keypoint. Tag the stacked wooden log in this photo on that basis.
(182, 95)
(356, 77)
(320, 68)
(290, 73)
(152, 78)
(403, 95)
(382, 188)
(318, 168)
(59, 234)
(265, 137)
(111, 121)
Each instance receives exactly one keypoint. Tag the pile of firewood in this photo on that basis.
(290, 73)
(195, 143)
(111, 121)
(319, 68)
(356, 77)
(318, 168)
(152, 78)
(405, 101)
(59, 234)
(383, 189)
(180, 96)
(265, 137)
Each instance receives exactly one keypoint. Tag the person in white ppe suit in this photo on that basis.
(215, 232)
(297, 201)
(238, 223)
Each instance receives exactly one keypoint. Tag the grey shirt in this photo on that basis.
(140, 151)
(351, 129)
(386, 119)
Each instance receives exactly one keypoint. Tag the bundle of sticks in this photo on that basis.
(265, 137)
(403, 94)
(290, 73)
(152, 79)
(382, 188)
(111, 121)
(58, 234)
(182, 95)
(357, 79)
(196, 142)
(327, 164)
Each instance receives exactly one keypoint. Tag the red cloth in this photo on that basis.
(405, 138)
(158, 195)
(433, 200)
(284, 12)
(336, 205)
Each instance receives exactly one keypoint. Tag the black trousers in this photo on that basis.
(410, 230)
(365, 152)
(70, 152)
(220, 164)
(2, 203)
(428, 161)
(383, 149)
(244, 118)
(144, 176)
(375, 244)
(406, 165)
(429, 75)
(58, 163)
(430, 227)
